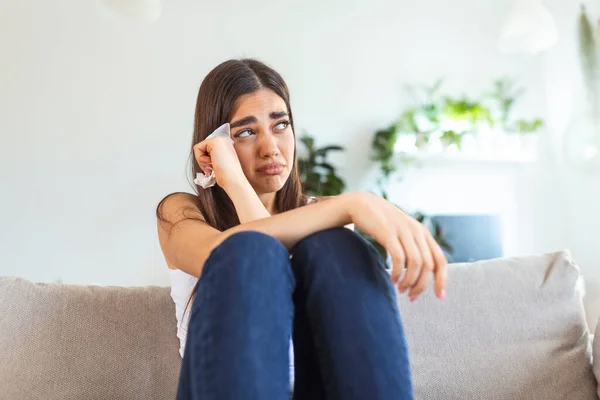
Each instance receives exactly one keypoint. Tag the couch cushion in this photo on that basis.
(596, 357)
(86, 342)
(511, 328)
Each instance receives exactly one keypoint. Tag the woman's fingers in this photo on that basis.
(203, 159)
(202, 146)
(392, 245)
(428, 262)
(409, 244)
(441, 279)
(198, 152)
(440, 269)
(414, 260)
(203, 149)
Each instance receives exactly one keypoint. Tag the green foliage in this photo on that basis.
(524, 126)
(449, 119)
(318, 176)
(505, 94)
(463, 109)
(452, 137)
(383, 144)
(589, 57)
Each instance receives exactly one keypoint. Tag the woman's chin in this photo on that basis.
(271, 187)
(269, 184)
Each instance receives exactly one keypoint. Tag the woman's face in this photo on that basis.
(264, 140)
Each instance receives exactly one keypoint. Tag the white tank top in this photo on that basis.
(182, 285)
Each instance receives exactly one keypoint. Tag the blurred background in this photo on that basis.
(480, 117)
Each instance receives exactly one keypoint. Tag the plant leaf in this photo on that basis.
(589, 58)
(324, 150)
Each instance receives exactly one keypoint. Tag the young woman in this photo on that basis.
(265, 264)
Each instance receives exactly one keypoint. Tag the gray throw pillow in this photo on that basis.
(509, 329)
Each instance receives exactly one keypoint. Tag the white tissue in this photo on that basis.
(206, 181)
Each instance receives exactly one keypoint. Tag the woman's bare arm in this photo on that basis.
(187, 242)
(325, 198)
(246, 202)
(249, 207)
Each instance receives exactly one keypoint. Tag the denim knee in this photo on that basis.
(338, 244)
(333, 239)
(249, 249)
(339, 259)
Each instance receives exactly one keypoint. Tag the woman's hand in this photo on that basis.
(218, 154)
(408, 242)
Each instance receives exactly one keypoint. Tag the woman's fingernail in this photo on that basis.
(443, 294)
(412, 297)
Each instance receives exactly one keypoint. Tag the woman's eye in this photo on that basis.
(243, 134)
(282, 125)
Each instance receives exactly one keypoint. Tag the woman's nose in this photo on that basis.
(268, 146)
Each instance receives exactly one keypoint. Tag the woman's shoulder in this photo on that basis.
(177, 206)
(173, 209)
(180, 197)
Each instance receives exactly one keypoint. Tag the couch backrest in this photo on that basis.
(63, 342)
(511, 328)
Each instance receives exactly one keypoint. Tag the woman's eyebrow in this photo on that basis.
(251, 119)
(278, 114)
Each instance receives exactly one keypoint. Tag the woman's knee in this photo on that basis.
(250, 249)
(339, 255)
(246, 271)
(335, 247)
(334, 239)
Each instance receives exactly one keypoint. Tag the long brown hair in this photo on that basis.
(217, 96)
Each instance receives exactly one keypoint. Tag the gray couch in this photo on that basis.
(511, 328)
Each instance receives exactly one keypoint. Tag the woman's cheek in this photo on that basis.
(290, 142)
(244, 161)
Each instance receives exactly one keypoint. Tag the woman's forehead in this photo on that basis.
(259, 103)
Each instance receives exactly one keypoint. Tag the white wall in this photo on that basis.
(96, 115)
(576, 197)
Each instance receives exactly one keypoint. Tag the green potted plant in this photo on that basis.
(318, 176)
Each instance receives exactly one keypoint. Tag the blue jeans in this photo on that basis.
(336, 296)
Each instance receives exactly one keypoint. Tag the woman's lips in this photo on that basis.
(275, 169)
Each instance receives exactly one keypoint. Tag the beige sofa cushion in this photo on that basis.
(62, 342)
(509, 329)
